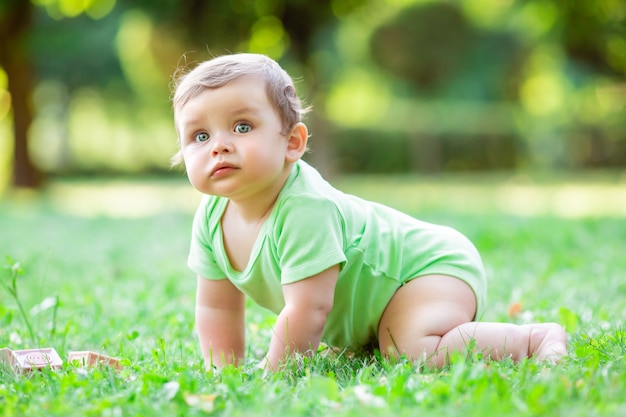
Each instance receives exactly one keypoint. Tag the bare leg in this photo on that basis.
(431, 316)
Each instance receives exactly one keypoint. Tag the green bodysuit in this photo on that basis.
(314, 226)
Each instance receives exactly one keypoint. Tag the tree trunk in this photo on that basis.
(15, 19)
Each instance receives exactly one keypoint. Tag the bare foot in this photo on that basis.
(547, 342)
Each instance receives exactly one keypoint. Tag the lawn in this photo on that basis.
(104, 270)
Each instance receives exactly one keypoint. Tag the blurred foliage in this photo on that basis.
(489, 84)
(397, 85)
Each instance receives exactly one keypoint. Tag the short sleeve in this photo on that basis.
(310, 237)
(201, 258)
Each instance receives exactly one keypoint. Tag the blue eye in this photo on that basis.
(202, 137)
(243, 128)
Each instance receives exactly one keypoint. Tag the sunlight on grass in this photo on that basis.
(519, 196)
(516, 195)
(122, 198)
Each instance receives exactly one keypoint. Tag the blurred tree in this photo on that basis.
(25, 65)
(15, 24)
(443, 56)
(425, 44)
(436, 48)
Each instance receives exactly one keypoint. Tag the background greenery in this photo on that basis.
(443, 85)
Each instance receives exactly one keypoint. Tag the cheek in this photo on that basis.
(262, 159)
(190, 154)
(195, 173)
(193, 162)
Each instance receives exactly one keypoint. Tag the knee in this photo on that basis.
(421, 312)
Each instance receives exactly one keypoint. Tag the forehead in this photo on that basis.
(245, 89)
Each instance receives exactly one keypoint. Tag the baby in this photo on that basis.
(333, 267)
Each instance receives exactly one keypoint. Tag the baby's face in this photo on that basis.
(231, 139)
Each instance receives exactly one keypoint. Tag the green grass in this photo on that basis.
(119, 286)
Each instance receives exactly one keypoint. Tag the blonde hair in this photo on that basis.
(221, 70)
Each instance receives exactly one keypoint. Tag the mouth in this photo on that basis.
(222, 169)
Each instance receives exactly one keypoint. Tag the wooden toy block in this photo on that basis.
(7, 358)
(87, 358)
(21, 361)
(30, 359)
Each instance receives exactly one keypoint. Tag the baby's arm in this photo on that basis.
(220, 322)
(300, 324)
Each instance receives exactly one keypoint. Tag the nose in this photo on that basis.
(221, 144)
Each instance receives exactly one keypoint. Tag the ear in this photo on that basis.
(297, 142)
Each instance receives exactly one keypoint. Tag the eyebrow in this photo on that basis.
(186, 124)
(245, 109)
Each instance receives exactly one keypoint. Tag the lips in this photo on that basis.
(222, 168)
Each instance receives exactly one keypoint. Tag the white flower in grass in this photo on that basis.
(366, 397)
